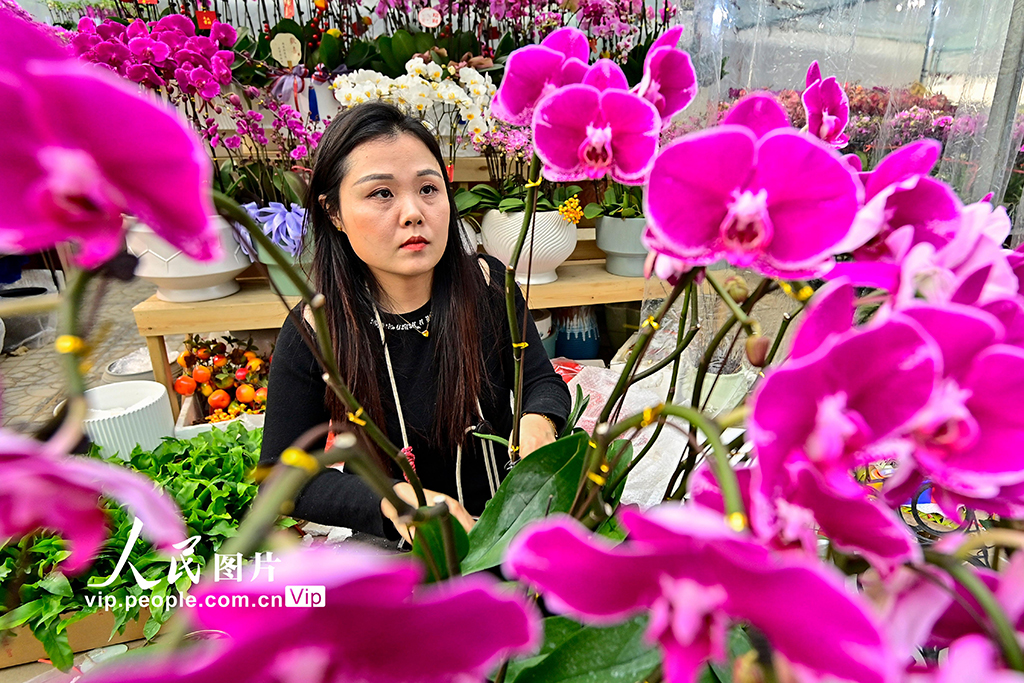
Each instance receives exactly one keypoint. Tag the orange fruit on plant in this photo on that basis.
(261, 395)
(201, 374)
(219, 400)
(185, 385)
(183, 359)
(220, 360)
(206, 389)
(245, 393)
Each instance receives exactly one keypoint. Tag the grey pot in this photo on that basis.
(619, 239)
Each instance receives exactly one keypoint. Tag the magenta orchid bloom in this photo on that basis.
(696, 576)
(760, 112)
(456, 631)
(42, 490)
(669, 81)
(779, 204)
(825, 405)
(971, 659)
(71, 177)
(968, 439)
(958, 619)
(899, 193)
(827, 107)
(535, 71)
(581, 132)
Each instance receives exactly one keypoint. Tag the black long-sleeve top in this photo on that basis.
(295, 403)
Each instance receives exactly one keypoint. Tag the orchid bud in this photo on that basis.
(736, 287)
(757, 349)
(234, 100)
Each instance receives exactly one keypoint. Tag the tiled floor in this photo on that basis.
(33, 383)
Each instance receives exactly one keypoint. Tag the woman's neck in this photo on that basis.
(404, 294)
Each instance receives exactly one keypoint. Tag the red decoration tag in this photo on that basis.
(205, 18)
(289, 9)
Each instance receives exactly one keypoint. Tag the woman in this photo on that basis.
(388, 256)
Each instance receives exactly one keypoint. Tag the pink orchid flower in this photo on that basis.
(779, 204)
(535, 71)
(760, 112)
(72, 177)
(374, 624)
(899, 193)
(669, 81)
(968, 440)
(826, 404)
(972, 659)
(43, 490)
(696, 576)
(583, 132)
(827, 107)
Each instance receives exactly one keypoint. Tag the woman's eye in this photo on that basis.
(383, 193)
(429, 189)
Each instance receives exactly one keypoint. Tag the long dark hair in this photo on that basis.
(351, 290)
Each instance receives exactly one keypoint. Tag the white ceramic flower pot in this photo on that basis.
(179, 278)
(553, 240)
(619, 239)
(124, 414)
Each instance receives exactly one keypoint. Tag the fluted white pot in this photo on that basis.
(553, 241)
(179, 278)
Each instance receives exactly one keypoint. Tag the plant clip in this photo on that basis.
(535, 183)
(354, 417)
(295, 457)
(596, 478)
(69, 343)
(737, 521)
(801, 295)
(652, 322)
(520, 345)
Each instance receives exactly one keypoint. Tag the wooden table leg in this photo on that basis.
(162, 370)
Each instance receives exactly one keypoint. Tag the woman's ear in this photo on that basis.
(335, 219)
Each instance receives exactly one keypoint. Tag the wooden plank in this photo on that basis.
(255, 307)
(584, 283)
(162, 370)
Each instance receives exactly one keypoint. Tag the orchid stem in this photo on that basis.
(510, 303)
(999, 626)
(734, 307)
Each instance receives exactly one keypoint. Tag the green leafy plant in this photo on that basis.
(618, 201)
(511, 197)
(210, 478)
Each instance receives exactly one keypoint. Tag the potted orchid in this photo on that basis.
(770, 557)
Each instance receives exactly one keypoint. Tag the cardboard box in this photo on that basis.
(88, 634)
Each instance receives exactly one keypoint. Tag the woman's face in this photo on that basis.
(394, 208)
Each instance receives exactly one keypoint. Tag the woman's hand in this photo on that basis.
(534, 431)
(406, 493)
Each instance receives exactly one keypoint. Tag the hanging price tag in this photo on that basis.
(288, 12)
(286, 49)
(205, 18)
(429, 17)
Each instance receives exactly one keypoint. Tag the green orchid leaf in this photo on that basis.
(430, 538)
(592, 210)
(591, 655)
(543, 483)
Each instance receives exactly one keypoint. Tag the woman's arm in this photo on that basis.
(295, 403)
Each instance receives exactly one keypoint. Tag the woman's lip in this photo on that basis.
(414, 246)
(412, 242)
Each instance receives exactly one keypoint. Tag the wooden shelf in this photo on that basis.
(255, 307)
